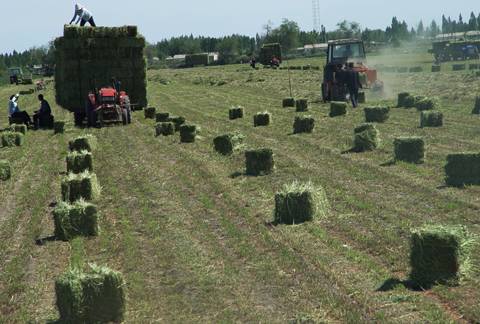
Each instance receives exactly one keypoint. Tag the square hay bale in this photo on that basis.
(409, 149)
(458, 67)
(5, 170)
(288, 102)
(228, 143)
(188, 133)
(79, 162)
(402, 97)
(436, 68)
(94, 297)
(78, 219)
(366, 138)
(440, 255)
(162, 117)
(338, 108)
(58, 127)
(149, 112)
(19, 128)
(177, 121)
(476, 108)
(10, 139)
(299, 203)
(473, 66)
(431, 118)
(362, 97)
(402, 69)
(426, 103)
(303, 124)
(83, 143)
(416, 69)
(235, 113)
(376, 114)
(165, 129)
(462, 169)
(301, 105)
(259, 162)
(80, 186)
(262, 119)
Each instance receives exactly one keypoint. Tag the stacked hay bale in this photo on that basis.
(193, 60)
(303, 124)
(10, 139)
(440, 255)
(476, 108)
(262, 119)
(88, 57)
(95, 297)
(150, 112)
(77, 219)
(162, 117)
(80, 186)
(462, 169)
(83, 143)
(459, 67)
(366, 138)
(299, 203)
(269, 51)
(235, 113)
(164, 129)
(58, 127)
(79, 161)
(415, 69)
(338, 109)
(405, 100)
(473, 66)
(228, 143)
(288, 102)
(431, 118)
(259, 162)
(436, 68)
(188, 133)
(5, 170)
(301, 105)
(376, 114)
(409, 149)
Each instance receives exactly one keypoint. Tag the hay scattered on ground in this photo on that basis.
(462, 169)
(229, 143)
(431, 119)
(409, 149)
(259, 162)
(5, 170)
(79, 162)
(288, 102)
(235, 113)
(262, 119)
(377, 114)
(366, 138)
(10, 139)
(426, 103)
(338, 109)
(78, 219)
(188, 133)
(300, 202)
(303, 124)
(80, 186)
(301, 105)
(83, 143)
(165, 129)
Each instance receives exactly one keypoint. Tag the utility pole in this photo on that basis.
(316, 15)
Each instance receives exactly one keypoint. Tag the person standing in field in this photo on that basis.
(353, 84)
(83, 15)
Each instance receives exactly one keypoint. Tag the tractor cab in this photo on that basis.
(346, 51)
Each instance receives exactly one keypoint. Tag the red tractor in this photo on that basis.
(108, 106)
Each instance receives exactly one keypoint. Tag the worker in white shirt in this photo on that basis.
(83, 15)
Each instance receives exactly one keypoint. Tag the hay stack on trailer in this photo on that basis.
(269, 51)
(88, 57)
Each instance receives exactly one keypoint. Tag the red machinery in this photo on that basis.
(110, 106)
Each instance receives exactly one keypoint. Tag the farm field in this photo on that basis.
(193, 235)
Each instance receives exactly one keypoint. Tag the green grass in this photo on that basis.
(195, 244)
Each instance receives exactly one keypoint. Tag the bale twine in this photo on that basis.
(77, 219)
(150, 112)
(162, 117)
(79, 162)
(229, 143)
(94, 297)
(303, 124)
(431, 118)
(58, 127)
(262, 119)
(19, 128)
(164, 129)
(476, 108)
(409, 149)
(440, 255)
(288, 102)
(5, 170)
(436, 68)
(462, 169)
(80, 186)
(10, 139)
(338, 108)
(235, 113)
(458, 67)
(177, 121)
(366, 138)
(301, 105)
(298, 203)
(188, 133)
(424, 103)
(83, 143)
(259, 162)
(377, 114)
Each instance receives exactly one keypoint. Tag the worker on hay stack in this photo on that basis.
(83, 15)
(14, 111)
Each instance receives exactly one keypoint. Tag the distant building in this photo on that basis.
(473, 34)
(313, 48)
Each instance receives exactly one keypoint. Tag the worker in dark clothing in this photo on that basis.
(253, 63)
(90, 109)
(44, 112)
(116, 84)
(353, 84)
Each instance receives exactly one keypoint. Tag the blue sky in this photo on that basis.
(37, 22)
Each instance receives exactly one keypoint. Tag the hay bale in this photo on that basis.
(177, 121)
(188, 133)
(476, 108)
(78, 219)
(303, 124)
(366, 138)
(440, 255)
(405, 100)
(80, 186)
(5, 170)
(95, 297)
(376, 114)
(10, 139)
(462, 169)
(362, 97)
(301, 105)
(165, 129)
(288, 102)
(473, 66)
(262, 119)
(162, 117)
(235, 113)
(228, 143)
(338, 108)
(416, 69)
(403, 69)
(19, 128)
(409, 149)
(149, 112)
(424, 103)
(458, 67)
(193, 60)
(268, 51)
(58, 127)
(431, 118)
(436, 68)
(86, 142)
(79, 162)
(299, 203)
(259, 162)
